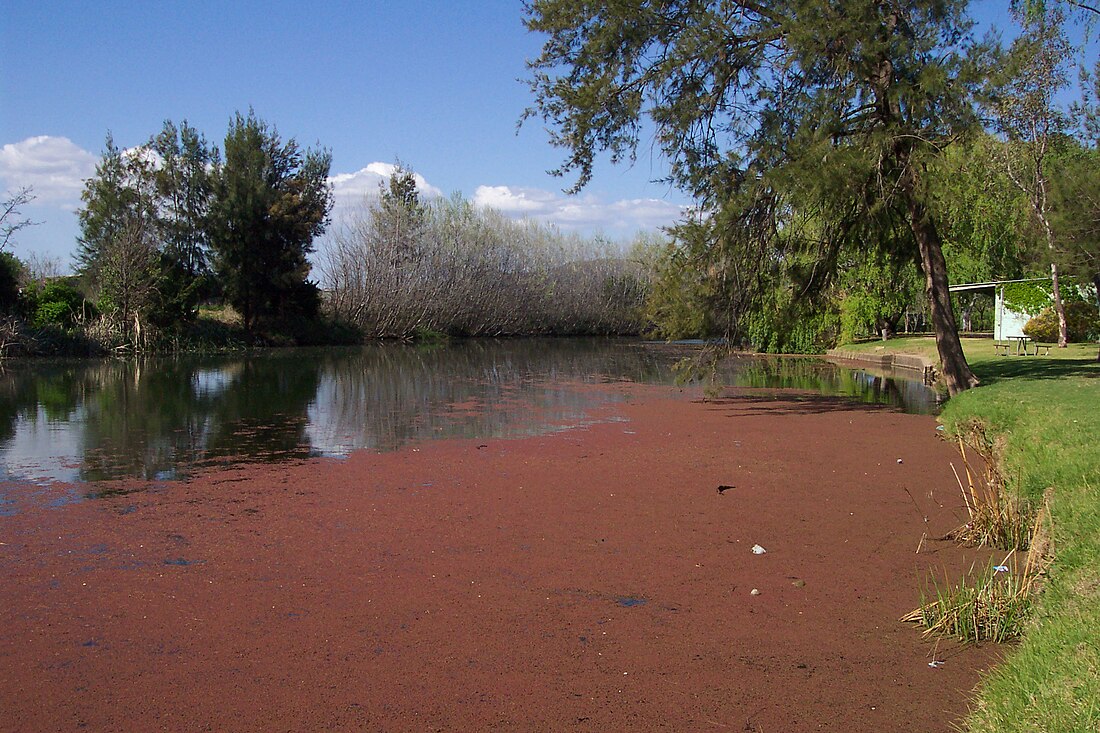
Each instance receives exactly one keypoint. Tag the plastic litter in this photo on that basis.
(935, 664)
(1001, 568)
(758, 550)
(754, 592)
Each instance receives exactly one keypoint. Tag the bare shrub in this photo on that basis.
(467, 271)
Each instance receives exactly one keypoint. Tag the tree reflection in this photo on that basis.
(162, 418)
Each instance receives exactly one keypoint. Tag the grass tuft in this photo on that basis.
(989, 605)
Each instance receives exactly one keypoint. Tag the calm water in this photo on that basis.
(163, 418)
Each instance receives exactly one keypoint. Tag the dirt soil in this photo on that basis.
(593, 579)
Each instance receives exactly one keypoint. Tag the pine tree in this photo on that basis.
(270, 200)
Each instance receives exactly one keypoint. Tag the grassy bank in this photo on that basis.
(1047, 411)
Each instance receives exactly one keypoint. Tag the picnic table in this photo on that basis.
(1019, 344)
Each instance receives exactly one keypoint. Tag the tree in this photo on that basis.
(12, 272)
(876, 291)
(12, 220)
(270, 200)
(1030, 119)
(118, 245)
(1076, 213)
(748, 97)
(399, 218)
(184, 186)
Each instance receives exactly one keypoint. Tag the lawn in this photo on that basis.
(1047, 411)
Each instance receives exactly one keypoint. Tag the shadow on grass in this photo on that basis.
(1036, 367)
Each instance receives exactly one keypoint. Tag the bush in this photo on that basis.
(56, 304)
(11, 271)
(1082, 323)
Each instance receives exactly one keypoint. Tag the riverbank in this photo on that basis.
(1042, 411)
(592, 579)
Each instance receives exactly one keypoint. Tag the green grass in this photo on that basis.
(978, 351)
(1046, 409)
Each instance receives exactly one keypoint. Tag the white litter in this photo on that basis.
(758, 550)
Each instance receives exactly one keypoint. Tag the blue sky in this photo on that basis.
(431, 83)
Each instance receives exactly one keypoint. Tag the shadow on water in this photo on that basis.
(163, 418)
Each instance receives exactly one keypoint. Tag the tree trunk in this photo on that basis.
(1059, 307)
(1096, 286)
(968, 311)
(956, 371)
(1055, 287)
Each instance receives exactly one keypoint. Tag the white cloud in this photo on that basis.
(589, 213)
(54, 166)
(364, 183)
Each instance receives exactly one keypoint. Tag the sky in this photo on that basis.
(432, 84)
(436, 85)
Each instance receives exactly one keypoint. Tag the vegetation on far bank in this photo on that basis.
(178, 227)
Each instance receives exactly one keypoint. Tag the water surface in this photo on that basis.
(162, 418)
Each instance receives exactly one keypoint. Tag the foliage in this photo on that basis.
(1026, 297)
(271, 199)
(784, 119)
(876, 292)
(676, 306)
(1034, 297)
(1076, 211)
(57, 303)
(119, 240)
(11, 275)
(985, 224)
(1082, 323)
(184, 185)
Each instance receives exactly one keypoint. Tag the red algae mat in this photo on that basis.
(593, 579)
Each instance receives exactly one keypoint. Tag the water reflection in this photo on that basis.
(162, 418)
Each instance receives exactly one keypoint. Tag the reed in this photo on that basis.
(997, 517)
(990, 604)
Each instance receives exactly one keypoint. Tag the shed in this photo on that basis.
(1006, 321)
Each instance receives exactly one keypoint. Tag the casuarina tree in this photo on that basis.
(773, 113)
(271, 200)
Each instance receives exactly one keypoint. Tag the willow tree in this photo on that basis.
(771, 113)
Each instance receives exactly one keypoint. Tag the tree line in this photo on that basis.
(815, 135)
(179, 222)
(848, 160)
